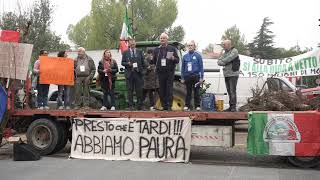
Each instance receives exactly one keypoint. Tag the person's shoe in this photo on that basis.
(68, 108)
(198, 108)
(113, 108)
(103, 108)
(76, 107)
(86, 107)
(41, 107)
(233, 110)
(60, 107)
(186, 108)
(46, 107)
(152, 108)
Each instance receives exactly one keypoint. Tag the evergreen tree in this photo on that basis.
(236, 38)
(262, 45)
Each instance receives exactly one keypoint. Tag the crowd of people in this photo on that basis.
(146, 75)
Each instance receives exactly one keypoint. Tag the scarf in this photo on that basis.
(107, 65)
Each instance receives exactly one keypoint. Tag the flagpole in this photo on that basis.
(132, 27)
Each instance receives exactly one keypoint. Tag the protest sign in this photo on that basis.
(165, 139)
(56, 70)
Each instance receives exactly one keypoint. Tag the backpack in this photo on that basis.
(208, 102)
(236, 64)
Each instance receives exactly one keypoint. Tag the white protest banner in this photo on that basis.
(14, 60)
(162, 139)
(307, 64)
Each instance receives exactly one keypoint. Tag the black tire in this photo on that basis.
(37, 132)
(304, 162)
(63, 138)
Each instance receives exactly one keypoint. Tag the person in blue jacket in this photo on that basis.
(192, 75)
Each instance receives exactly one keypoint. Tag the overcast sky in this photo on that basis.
(295, 21)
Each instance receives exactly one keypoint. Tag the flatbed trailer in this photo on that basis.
(49, 130)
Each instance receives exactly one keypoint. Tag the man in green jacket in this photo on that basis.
(231, 64)
(84, 73)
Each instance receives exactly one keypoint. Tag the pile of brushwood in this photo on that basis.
(266, 100)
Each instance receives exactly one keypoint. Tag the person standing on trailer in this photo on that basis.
(63, 90)
(166, 58)
(43, 89)
(108, 69)
(231, 65)
(133, 61)
(84, 72)
(192, 75)
(151, 83)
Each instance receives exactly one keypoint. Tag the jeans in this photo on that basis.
(231, 85)
(108, 92)
(82, 91)
(166, 89)
(135, 83)
(63, 95)
(42, 98)
(190, 81)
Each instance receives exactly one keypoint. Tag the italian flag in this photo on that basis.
(284, 134)
(126, 33)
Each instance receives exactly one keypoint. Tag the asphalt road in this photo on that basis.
(206, 163)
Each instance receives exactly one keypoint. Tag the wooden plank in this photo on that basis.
(197, 116)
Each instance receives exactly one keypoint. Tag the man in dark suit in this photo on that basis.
(133, 61)
(166, 58)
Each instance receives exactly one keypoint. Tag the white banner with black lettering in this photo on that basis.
(307, 64)
(161, 139)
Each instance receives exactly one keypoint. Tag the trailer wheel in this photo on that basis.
(63, 139)
(304, 162)
(43, 135)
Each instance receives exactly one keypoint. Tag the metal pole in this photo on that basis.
(132, 27)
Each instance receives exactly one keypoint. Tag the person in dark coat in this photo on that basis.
(108, 69)
(133, 61)
(151, 83)
(166, 58)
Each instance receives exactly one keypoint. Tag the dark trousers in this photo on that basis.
(151, 93)
(231, 85)
(190, 81)
(63, 95)
(135, 84)
(166, 89)
(108, 92)
(42, 98)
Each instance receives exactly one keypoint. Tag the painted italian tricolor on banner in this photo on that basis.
(284, 134)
